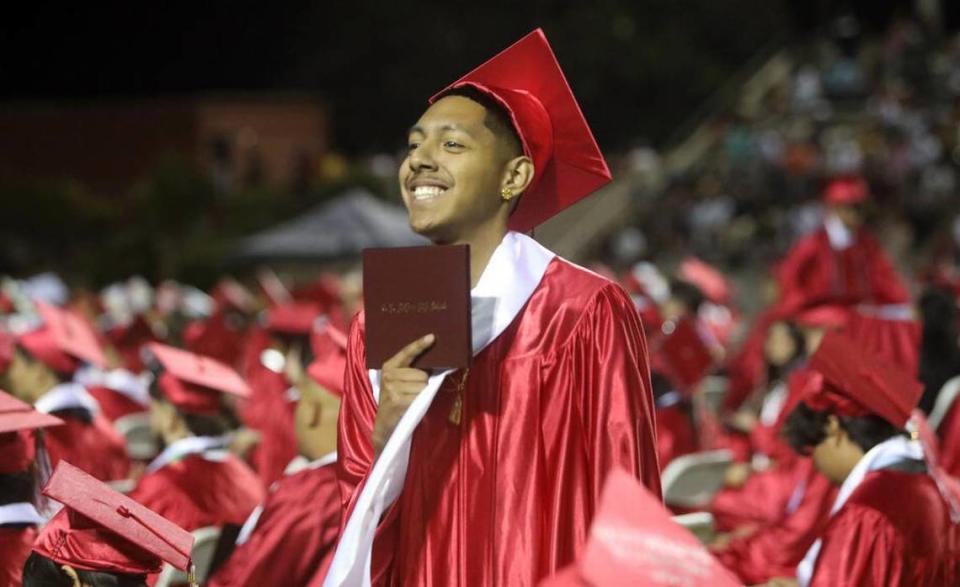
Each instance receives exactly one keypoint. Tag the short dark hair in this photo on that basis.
(497, 119)
(17, 487)
(40, 571)
(691, 295)
(805, 428)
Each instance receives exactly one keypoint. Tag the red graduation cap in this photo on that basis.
(18, 420)
(856, 382)
(293, 318)
(103, 530)
(330, 358)
(526, 80)
(846, 191)
(633, 541)
(63, 333)
(193, 383)
(683, 356)
(707, 279)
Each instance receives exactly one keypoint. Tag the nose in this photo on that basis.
(421, 158)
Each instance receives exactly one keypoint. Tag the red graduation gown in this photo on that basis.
(894, 530)
(777, 549)
(94, 447)
(15, 546)
(294, 535)
(196, 492)
(949, 434)
(813, 272)
(506, 496)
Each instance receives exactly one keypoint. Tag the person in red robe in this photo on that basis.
(195, 482)
(21, 457)
(44, 362)
(896, 518)
(295, 529)
(491, 476)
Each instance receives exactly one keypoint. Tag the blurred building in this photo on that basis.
(239, 139)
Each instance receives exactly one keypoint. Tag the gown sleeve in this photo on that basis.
(358, 411)
(616, 399)
(860, 549)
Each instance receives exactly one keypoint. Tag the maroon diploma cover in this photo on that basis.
(410, 292)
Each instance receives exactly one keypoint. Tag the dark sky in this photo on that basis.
(639, 68)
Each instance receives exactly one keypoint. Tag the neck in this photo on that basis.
(482, 244)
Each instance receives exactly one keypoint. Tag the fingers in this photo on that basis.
(409, 353)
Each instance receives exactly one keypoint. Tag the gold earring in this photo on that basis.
(506, 194)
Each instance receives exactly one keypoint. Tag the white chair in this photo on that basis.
(700, 524)
(204, 547)
(945, 400)
(142, 444)
(690, 481)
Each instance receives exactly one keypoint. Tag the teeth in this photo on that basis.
(424, 192)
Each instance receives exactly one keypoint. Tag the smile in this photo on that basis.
(427, 192)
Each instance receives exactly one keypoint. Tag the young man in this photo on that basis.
(890, 523)
(101, 538)
(295, 529)
(497, 483)
(20, 474)
(41, 372)
(196, 482)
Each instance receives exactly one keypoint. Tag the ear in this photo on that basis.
(517, 177)
(72, 573)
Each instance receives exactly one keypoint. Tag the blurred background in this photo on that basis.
(191, 141)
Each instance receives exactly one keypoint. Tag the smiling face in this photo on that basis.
(455, 169)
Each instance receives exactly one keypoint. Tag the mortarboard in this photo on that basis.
(856, 382)
(633, 541)
(526, 80)
(63, 338)
(846, 191)
(17, 421)
(293, 318)
(194, 383)
(714, 286)
(329, 364)
(103, 530)
(683, 357)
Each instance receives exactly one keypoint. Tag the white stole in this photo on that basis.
(20, 513)
(510, 278)
(65, 396)
(208, 446)
(888, 452)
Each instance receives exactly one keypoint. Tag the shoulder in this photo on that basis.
(575, 287)
(885, 493)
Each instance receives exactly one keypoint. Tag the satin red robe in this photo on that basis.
(894, 530)
(94, 447)
(506, 497)
(815, 273)
(949, 434)
(196, 492)
(776, 550)
(293, 536)
(15, 546)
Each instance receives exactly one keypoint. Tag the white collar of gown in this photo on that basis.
(510, 278)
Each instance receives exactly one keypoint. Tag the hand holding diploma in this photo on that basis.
(399, 386)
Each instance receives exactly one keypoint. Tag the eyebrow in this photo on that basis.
(445, 127)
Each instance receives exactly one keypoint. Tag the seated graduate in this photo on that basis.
(41, 372)
(21, 452)
(195, 481)
(295, 529)
(893, 520)
(101, 538)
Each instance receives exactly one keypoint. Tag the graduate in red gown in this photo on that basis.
(20, 471)
(896, 519)
(102, 537)
(195, 482)
(295, 529)
(44, 363)
(491, 476)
